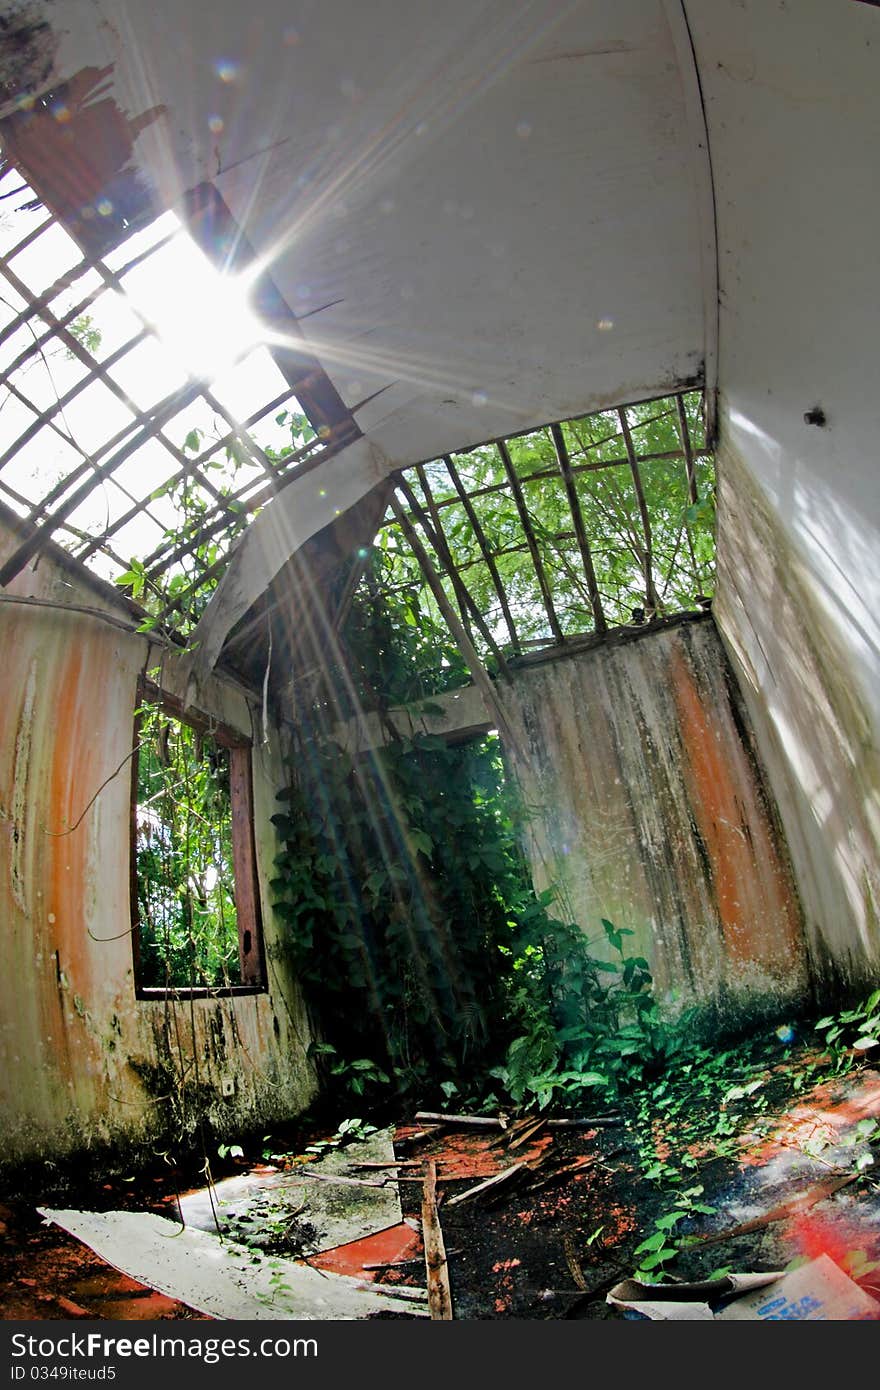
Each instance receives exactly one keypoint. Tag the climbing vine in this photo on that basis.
(410, 912)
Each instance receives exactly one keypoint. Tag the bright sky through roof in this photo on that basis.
(202, 316)
(204, 330)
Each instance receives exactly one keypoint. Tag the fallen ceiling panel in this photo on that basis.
(222, 1279)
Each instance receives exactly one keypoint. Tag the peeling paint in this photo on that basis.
(20, 771)
(648, 809)
(83, 1063)
(75, 147)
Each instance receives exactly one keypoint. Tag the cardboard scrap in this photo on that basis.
(819, 1291)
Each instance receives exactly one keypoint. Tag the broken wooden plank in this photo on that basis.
(528, 1132)
(439, 1293)
(504, 1176)
(408, 1163)
(570, 1170)
(574, 505)
(402, 1264)
(492, 1122)
(779, 1213)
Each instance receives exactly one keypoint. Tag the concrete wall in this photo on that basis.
(794, 127)
(649, 809)
(83, 1063)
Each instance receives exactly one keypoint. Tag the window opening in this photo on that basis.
(195, 905)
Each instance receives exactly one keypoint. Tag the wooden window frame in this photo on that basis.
(246, 888)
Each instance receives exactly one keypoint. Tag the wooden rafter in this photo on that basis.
(579, 528)
(469, 653)
(648, 559)
(485, 551)
(439, 539)
(684, 434)
(525, 521)
(462, 593)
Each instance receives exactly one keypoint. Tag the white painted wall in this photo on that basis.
(793, 105)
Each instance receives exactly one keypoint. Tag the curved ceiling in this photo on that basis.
(487, 213)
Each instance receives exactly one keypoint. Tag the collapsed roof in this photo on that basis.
(456, 226)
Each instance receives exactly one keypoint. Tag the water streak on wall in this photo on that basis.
(82, 1061)
(650, 810)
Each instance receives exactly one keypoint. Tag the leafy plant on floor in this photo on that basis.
(855, 1030)
(666, 1241)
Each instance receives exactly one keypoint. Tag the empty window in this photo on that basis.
(195, 904)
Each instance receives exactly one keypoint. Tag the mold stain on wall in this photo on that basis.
(83, 1062)
(648, 809)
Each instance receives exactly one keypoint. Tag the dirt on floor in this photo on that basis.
(789, 1178)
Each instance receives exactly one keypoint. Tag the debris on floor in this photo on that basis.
(742, 1162)
(312, 1207)
(226, 1280)
(818, 1291)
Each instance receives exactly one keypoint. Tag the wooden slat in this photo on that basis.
(244, 860)
(579, 528)
(648, 562)
(685, 436)
(438, 536)
(437, 1269)
(42, 534)
(525, 521)
(466, 647)
(309, 457)
(462, 593)
(485, 551)
(506, 1175)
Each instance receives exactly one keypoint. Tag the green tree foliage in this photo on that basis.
(187, 930)
(682, 531)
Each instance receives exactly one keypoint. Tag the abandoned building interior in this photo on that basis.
(440, 664)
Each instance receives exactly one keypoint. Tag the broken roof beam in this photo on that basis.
(299, 510)
(485, 551)
(462, 593)
(472, 660)
(685, 436)
(651, 599)
(535, 553)
(564, 462)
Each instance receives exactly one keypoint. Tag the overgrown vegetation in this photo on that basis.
(187, 926)
(180, 593)
(710, 1102)
(426, 954)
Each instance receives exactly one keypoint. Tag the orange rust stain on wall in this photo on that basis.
(740, 847)
(74, 778)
